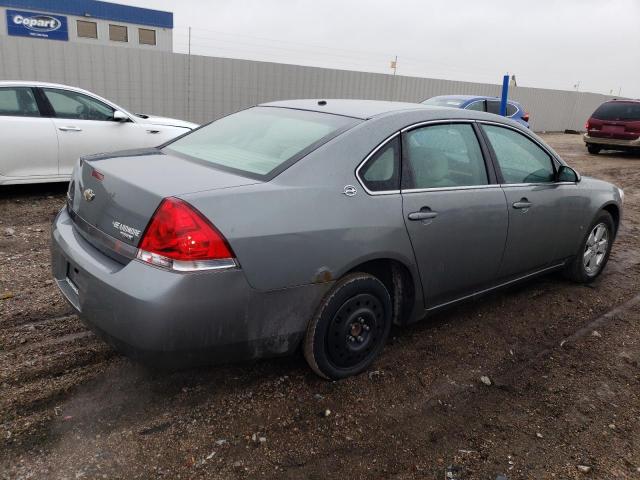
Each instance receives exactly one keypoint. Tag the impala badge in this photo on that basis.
(125, 230)
(88, 195)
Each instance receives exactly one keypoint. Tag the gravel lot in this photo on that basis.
(563, 361)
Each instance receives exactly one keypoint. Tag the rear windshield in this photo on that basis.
(444, 102)
(260, 141)
(618, 111)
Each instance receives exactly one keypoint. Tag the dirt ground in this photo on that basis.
(563, 360)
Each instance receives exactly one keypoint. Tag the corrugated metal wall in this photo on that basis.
(156, 82)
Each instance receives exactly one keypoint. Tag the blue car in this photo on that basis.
(515, 111)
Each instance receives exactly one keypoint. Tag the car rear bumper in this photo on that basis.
(177, 318)
(611, 141)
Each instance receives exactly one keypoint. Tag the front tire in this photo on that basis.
(593, 149)
(593, 254)
(350, 327)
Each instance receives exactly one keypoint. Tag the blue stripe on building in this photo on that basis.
(97, 9)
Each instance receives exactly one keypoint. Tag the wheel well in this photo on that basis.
(615, 214)
(399, 282)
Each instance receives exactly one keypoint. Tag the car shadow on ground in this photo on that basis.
(630, 154)
(33, 190)
(127, 391)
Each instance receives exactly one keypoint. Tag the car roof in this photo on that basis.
(30, 83)
(27, 83)
(362, 109)
(370, 109)
(623, 100)
(471, 97)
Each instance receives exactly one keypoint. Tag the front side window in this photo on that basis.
(118, 33)
(18, 102)
(87, 29)
(382, 170)
(440, 156)
(68, 104)
(520, 159)
(261, 140)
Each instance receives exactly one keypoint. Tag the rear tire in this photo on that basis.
(594, 250)
(593, 149)
(350, 327)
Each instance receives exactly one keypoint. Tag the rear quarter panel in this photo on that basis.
(300, 228)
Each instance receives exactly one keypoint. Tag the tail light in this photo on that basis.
(180, 238)
(587, 126)
(525, 117)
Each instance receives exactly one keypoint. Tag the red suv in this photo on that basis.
(614, 125)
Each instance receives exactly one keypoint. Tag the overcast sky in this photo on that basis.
(545, 43)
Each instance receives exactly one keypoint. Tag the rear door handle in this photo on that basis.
(423, 214)
(522, 204)
(70, 129)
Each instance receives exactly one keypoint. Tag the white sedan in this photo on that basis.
(45, 127)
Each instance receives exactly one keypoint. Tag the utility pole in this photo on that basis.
(189, 78)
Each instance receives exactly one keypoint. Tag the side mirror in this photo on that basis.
(118, 116)
(567, 174)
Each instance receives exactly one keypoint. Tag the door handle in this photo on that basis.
(153, 131)
(70, 129)
(425, 213)
(522, 204)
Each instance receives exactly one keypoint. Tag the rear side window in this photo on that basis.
(260, 141)
(511, 109)
(618, 111)
(382, 170)
(441, 156)
(520, 159)
(18, 102)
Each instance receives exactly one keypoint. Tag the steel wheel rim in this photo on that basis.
(355, 330)
(595, 251)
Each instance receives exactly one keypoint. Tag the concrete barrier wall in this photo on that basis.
(160, 82)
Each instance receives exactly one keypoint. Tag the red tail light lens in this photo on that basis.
(525, 117)
(180, 238)
(587, 126)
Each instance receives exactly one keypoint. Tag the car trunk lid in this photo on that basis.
(113, 196)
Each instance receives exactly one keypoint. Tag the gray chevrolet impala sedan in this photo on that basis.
(317, 224)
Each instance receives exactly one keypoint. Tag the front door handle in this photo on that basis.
(70, 129)
(522, 204)
(425, 213)
(153, 131)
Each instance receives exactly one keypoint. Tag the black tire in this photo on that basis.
(576, 270)
(593, 149)
(350, 327)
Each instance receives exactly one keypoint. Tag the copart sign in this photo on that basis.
(37, 25)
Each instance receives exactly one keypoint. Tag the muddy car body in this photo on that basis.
(377, 213)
